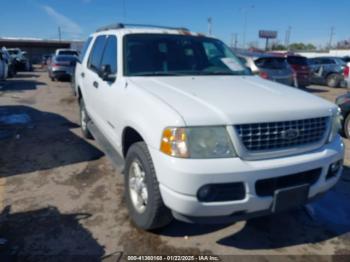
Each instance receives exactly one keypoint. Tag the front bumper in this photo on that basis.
(180, 179)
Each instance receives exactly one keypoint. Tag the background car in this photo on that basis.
(21, 61)
(269, 67)
(301, 68)
(10, 62)
(328, 71)
(61, 66)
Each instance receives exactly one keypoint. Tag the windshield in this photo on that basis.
(271, 63)
(168, 55)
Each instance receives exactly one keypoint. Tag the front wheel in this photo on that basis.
(84, 119)
(145, 204)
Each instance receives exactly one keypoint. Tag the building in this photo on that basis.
(36, 48)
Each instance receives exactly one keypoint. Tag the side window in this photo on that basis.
(96, 53)
(84, 49)
(110, 54)
(327, 61)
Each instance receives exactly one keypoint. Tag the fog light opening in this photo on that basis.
(334, 169)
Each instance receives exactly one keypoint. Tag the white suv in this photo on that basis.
(203, 140)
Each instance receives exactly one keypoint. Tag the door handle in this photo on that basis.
(82, 74)
(95, 84)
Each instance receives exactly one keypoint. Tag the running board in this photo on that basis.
(116, 159)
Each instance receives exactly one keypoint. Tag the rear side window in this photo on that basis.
(84, 49)
(271, 63)
(96, 53)
(327, 61)
(110, 54)
(297, 60)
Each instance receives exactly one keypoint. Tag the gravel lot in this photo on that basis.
(59, 195)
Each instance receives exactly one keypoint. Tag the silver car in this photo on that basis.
(61, 66)
(270, 67)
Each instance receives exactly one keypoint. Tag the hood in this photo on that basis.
(226, 100)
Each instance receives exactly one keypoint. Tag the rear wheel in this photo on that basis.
(84, 119)
(333, 80)
(145, 204)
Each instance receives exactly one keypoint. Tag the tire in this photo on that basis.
(333, 80)
(84, 119)
(152, 214)
(346, 127)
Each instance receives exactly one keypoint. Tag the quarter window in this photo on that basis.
(110, 54)
(96, 53)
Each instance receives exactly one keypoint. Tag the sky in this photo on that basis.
(310, 20)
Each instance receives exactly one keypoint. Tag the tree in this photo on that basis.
(276, 46)
(301, 46)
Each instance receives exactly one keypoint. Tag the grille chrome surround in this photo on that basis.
(275, 136)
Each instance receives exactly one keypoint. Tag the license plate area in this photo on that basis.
(291, 197)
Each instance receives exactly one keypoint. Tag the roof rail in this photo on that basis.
(121, 26)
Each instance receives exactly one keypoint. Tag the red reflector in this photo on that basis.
(346, 71)
(264, 75)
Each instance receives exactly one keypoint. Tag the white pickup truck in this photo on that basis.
(198, 137)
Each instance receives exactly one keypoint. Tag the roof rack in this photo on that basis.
(121, 26)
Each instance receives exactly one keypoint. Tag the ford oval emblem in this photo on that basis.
(290, 134)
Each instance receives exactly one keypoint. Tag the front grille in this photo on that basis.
(267, 187)
(281, 135)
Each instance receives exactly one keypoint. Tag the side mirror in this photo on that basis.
(106, 73)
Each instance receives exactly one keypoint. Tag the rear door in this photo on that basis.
(92, 81)
(315, 65)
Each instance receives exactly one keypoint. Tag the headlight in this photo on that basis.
(197, 142)
(335, 125)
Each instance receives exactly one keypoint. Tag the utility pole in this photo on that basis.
(210, 25)
(332, 33)
(287, 39)
(234, 40)
(59, 34)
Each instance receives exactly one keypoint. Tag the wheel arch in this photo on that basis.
(130, 136)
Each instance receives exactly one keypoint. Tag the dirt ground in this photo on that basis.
(61, 198)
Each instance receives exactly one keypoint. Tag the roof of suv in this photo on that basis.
(124, 29)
